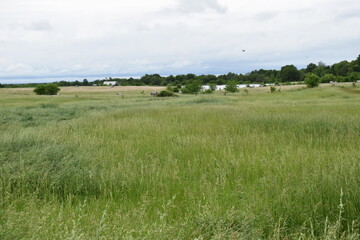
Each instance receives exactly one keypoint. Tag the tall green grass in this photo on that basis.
(256, 166)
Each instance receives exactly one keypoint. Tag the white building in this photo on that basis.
(110, 83)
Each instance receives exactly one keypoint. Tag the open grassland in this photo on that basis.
(96, 165)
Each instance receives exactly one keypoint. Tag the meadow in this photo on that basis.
(117, 163)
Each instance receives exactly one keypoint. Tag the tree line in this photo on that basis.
(344, 71)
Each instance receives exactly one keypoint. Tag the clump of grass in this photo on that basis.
(48, 105)
(204, 100)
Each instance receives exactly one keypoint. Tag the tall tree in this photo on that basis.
(85, 82)
(341, 68)
(310, 67)
(290, 73)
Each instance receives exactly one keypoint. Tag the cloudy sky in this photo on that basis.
(81, 38)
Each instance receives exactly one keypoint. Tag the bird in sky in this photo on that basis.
(243, 50)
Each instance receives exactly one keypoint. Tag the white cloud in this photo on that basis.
(189, 6)
(40, 26)
(19, 68)
(39, 37)
(180, 64)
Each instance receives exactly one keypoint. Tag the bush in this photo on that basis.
(193, 87)
(353, 76)
(231, 86)
(165, 93)
(312, 80)
(169, 88)
(207, 91)
(272, 89)
(340, 79)
(328, 78)
(212, 86)
(47, 89)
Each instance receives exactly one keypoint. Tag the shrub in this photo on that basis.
(312, 80)
(169, 88)
(207, 91)
(193, 87)
(272, 89)
(165, 93)
(340, 79)
(231, 86)
(47, 89)
(328, 78)
(212, 86)
(353, 76)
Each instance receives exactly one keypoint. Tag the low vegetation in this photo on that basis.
(93, 165)
(47, 89)
(165, 93)
(312, 80)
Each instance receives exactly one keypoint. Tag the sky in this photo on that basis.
(78, 39)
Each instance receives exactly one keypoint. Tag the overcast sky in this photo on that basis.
(42, 38)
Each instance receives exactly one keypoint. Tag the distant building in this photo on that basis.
(110, 83)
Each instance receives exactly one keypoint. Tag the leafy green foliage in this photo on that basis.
(47, 89)
(231, 86)
(192, 87)
(212, 86)
(312, 80)
(328, 78)
(165, 93)
(207, 91)
(272, 89)
(310, 67)
(290, 73)
(353, 76)
(341, 68)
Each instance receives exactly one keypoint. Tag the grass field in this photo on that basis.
(91, 164)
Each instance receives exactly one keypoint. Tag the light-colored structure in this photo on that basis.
(110, 83)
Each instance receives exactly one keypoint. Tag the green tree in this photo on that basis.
(192, 87)
(290, 73)
(231, 86)
(321, 70)
(47, 89)
(341, 68)
(357, 64)
(212, 86)
(310, 67)
(353, 76)
(169, 88)
(312, 80)
(328, 78)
